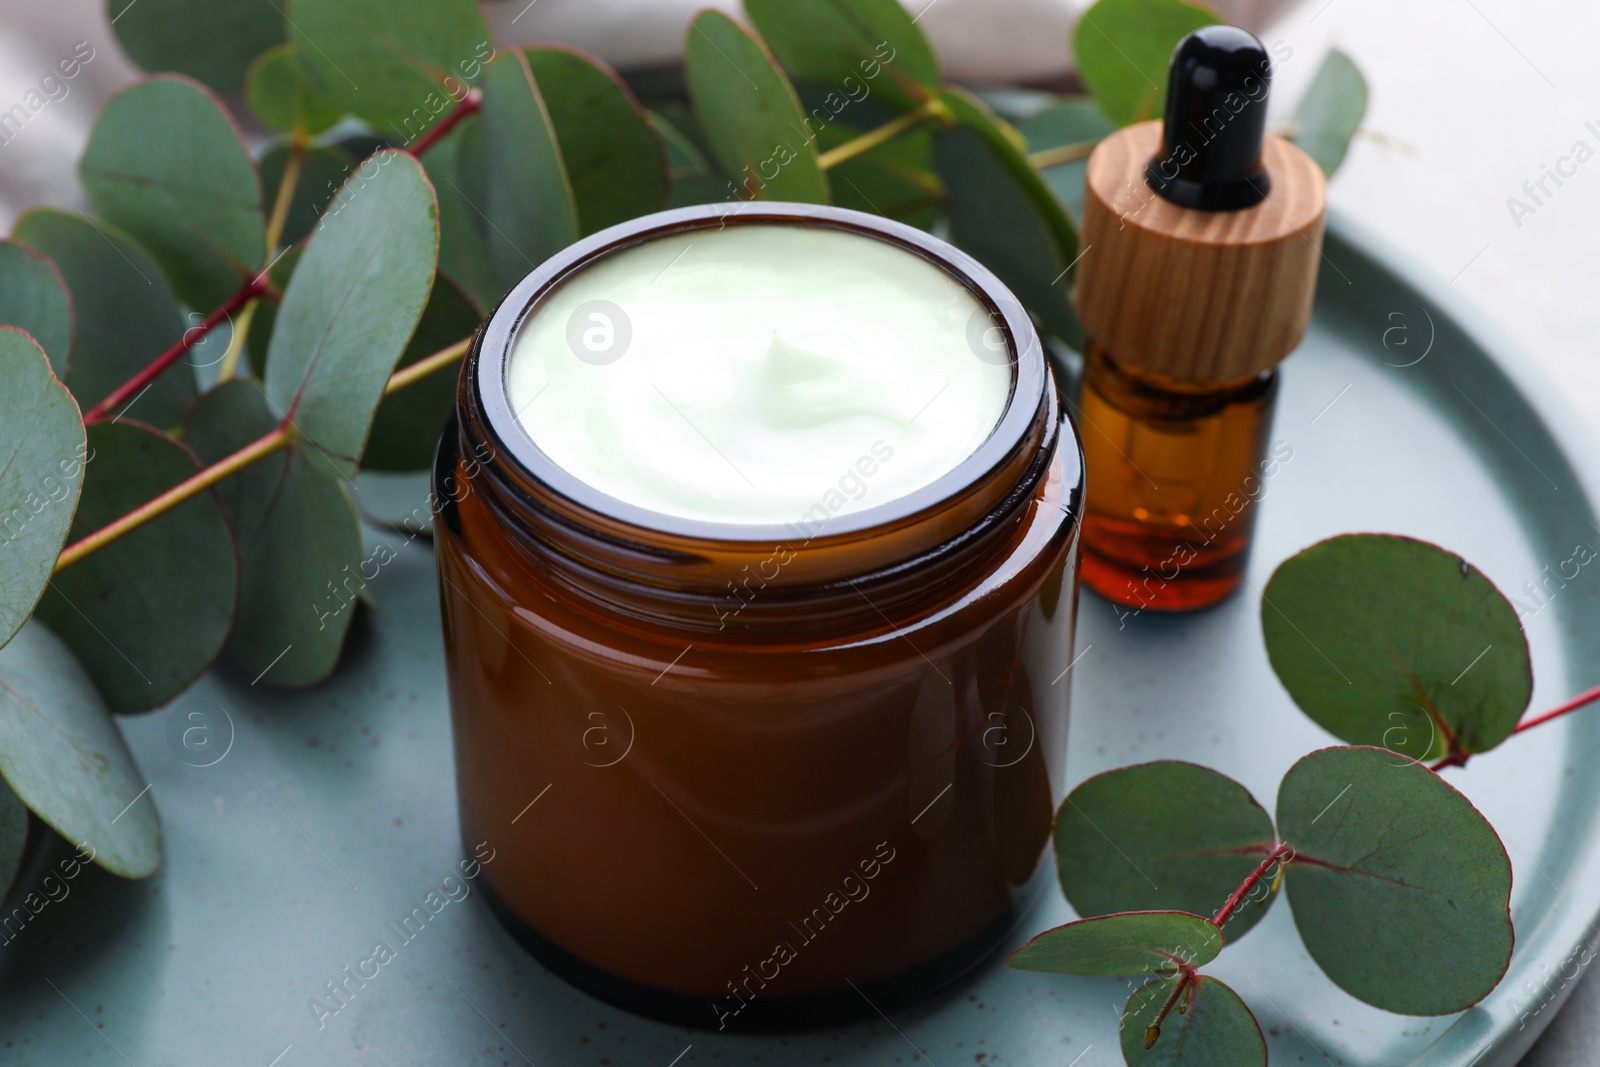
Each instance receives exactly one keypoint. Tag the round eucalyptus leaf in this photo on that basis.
(458, 166)
(1208, 1026)
(1072, 122)
(750, 114)
(692, 189)
(843, 45)
(61, 752)
(322, 172)
(1371, 632)
(1162, 835)
(685, 141)
(284, 99)
(259, 340)
(1135, 942)
(693, 179)
(42, 453)
(405, 431)
(146, 614)
(34, 297)
(895, 180)
(167, 164)
(299, 543)
(1123, 48)
(359, 143)
(204, 39)
(1400, 888)
(1331, 110)
(400, 66)
(528, 205)
(351, 306)
(614, 159)
(1004, 213)
(124, 314)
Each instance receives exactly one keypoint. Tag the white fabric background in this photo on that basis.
(978, 40)
(1470, 98)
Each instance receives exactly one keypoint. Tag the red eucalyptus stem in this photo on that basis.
(1186, 977)
(469, 104)
(1585, 697)
(200, 481)
(251, 289)
(254, 287)
(1278, 854)
(1588, 696)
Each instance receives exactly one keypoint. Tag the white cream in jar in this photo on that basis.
(754, 374)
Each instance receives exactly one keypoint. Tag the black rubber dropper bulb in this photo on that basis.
(1216, 119)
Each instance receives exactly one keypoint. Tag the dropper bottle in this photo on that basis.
(1201, 239)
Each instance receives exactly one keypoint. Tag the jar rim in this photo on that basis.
(486, 376)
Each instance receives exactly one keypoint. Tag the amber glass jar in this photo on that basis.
(739, 776)
(1175, 473)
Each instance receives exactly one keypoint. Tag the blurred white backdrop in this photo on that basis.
(1470, 98)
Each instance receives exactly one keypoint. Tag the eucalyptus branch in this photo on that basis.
(245, 298)
(928, 183)
(281, 202)
(470, 104)
(1586, 697)
(1067, 153)
(184, 490)
(1186, 982)
(285, 195)
(257, 450)
(242, 302)
(229, 365)
(1276, 856)
(427, 365)
(932, 108)
(247, 292)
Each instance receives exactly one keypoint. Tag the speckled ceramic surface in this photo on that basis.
(332, 813)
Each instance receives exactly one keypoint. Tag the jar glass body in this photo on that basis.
(740, 777)
(1175, 472)
(730, 828)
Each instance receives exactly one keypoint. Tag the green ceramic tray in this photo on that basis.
(1405, 413)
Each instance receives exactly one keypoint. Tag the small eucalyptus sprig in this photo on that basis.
(1399, 887)
(1387, 640)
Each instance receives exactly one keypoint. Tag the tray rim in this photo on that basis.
(1483, 1036)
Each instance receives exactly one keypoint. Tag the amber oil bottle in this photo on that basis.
(1202, 238)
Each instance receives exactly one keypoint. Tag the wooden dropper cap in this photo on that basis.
(1202, 236)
